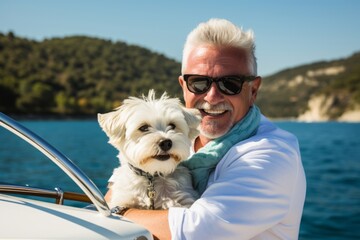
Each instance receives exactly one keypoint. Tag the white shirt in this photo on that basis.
(257, 191)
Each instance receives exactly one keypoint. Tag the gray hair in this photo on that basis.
(221, 33)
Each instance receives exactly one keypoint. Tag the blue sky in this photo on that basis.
(288, 32)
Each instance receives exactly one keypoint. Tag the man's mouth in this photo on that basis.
(213, 112)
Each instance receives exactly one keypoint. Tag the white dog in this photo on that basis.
(153, 137)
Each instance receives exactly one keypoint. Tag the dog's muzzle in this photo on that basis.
(165, 145)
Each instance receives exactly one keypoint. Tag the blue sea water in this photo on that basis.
(330, 153)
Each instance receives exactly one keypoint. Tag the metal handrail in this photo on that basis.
(60, 160)
(58, 194)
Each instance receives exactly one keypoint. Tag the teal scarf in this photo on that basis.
(203, 162)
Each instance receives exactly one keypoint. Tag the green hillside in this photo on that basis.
(77, 76)
(286, 94)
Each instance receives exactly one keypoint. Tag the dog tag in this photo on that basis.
(151, 193)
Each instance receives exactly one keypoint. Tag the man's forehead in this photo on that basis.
(211, 57)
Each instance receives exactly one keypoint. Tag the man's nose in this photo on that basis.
(214, 96)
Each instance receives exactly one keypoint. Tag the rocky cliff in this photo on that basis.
(319, 91)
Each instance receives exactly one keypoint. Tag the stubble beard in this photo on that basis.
(213, 129)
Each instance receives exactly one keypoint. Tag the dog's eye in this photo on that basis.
(171, 126)
(144, 128)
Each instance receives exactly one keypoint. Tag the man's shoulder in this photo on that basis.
(269, 131)
(269, 140)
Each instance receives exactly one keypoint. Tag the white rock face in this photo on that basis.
(317, 110)
(350, 116)
(319, 107)
(326, 71)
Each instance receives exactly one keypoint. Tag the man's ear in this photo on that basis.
(193, 119)
(183, 86)
(255, 86)
(181, 80)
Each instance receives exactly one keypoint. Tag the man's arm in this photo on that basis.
(156, 221)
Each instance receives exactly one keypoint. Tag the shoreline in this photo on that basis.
(34, 117)
(355, 118)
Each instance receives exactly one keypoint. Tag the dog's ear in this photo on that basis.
(193, 119)
(112, 124)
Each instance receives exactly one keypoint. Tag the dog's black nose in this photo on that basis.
(165, 145)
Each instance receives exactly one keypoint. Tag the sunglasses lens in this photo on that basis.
(230, 85)
(198, 84)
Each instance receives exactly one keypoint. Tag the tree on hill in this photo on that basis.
(78, 75)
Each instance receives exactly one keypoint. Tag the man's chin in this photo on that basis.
(212, 134)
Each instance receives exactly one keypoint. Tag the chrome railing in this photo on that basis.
(60, 160)
(57, 193)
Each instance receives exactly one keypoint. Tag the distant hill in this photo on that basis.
(81, 75)
(319, 91)
(78, 75)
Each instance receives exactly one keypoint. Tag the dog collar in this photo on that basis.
(150, 189)
(140, 172)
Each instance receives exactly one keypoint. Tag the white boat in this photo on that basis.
(24, 218)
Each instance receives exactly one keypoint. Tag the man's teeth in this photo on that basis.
(214, 112)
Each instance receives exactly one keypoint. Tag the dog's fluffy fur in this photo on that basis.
(153, 135)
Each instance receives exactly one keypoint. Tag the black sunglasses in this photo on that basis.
(228, 85)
